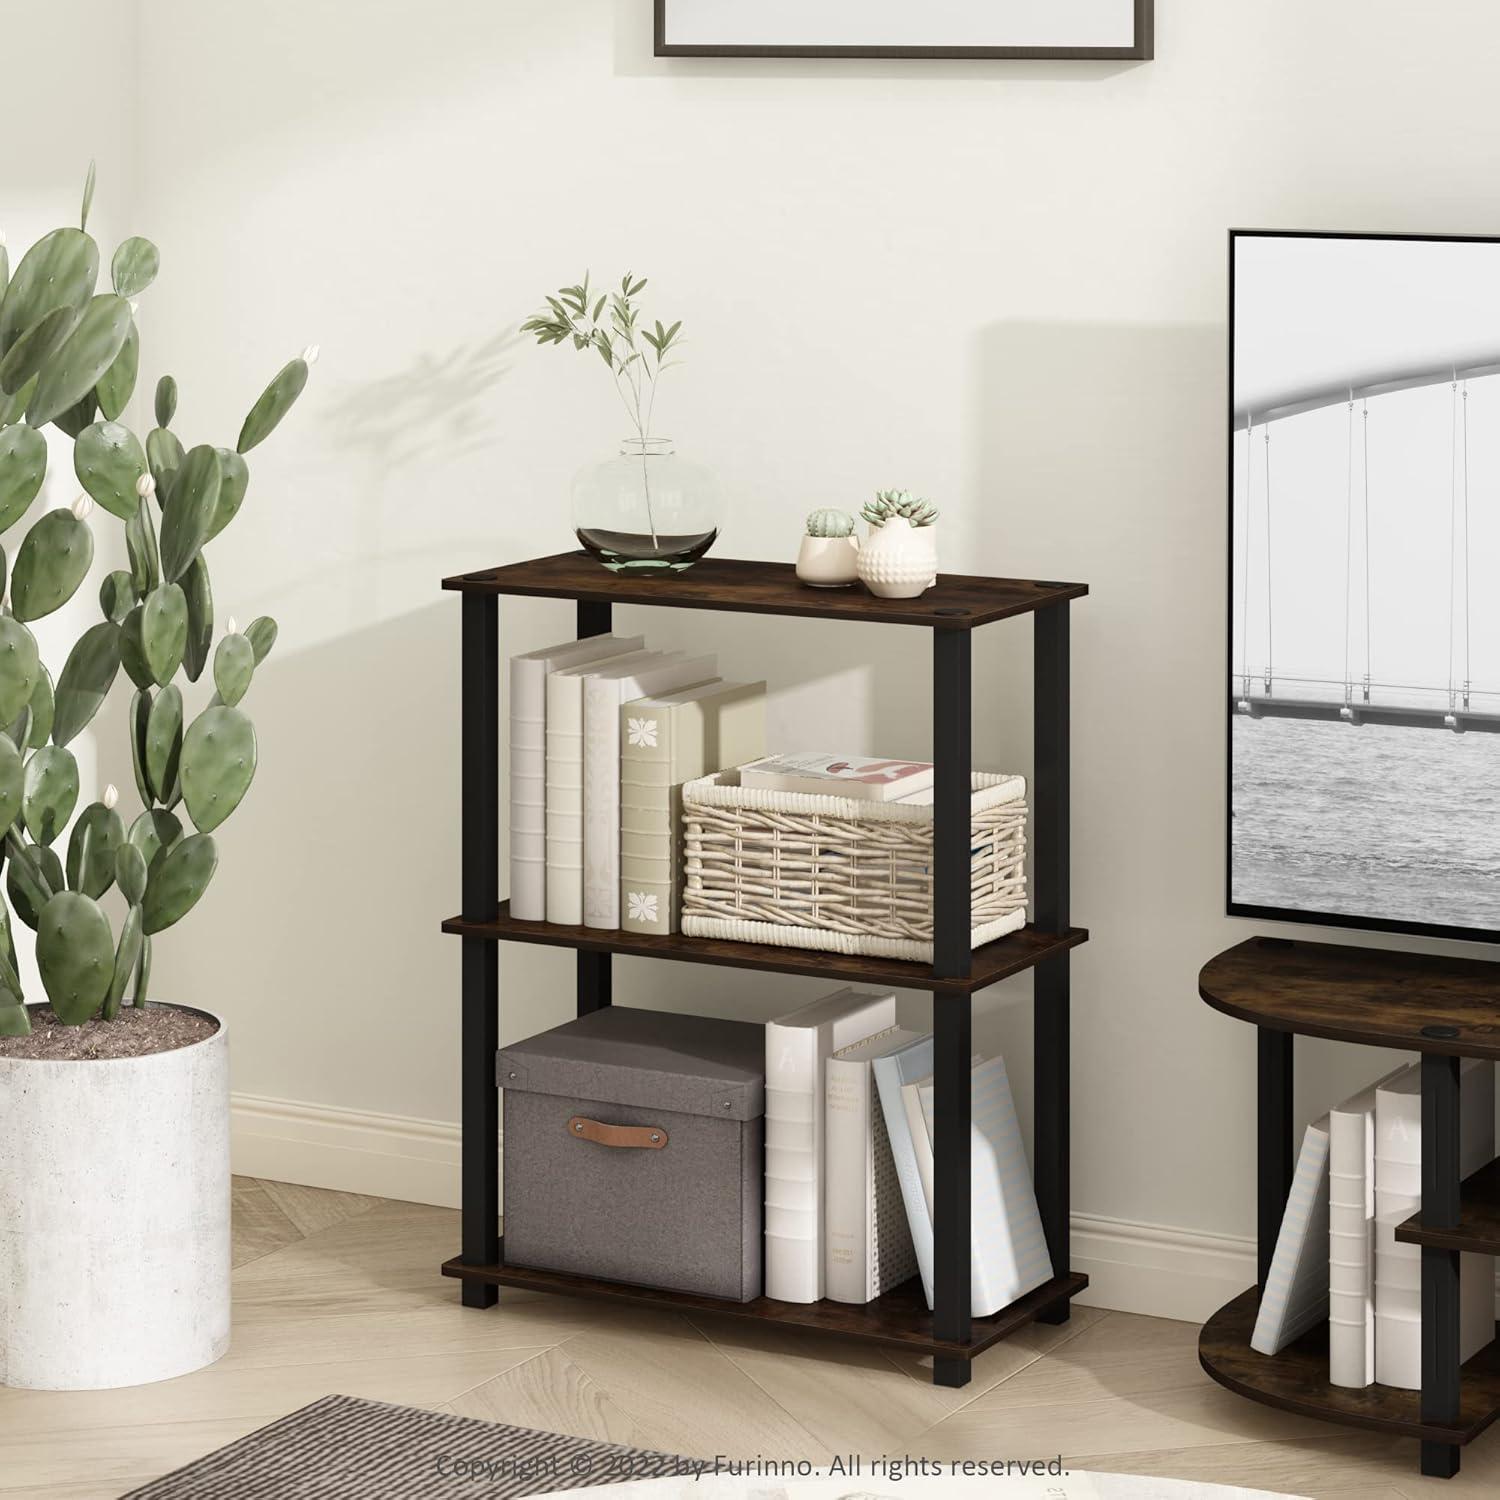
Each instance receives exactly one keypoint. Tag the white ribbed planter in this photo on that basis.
(114, 1217)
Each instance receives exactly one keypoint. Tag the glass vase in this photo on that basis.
(646, 510)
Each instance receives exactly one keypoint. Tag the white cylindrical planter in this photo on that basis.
(114, 1217)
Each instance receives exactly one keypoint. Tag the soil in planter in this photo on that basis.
(134, 1033)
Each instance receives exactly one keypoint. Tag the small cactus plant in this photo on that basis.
(911, 508)
(70, 358)
(830, 522)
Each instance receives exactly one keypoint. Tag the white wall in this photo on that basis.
(1001, 284)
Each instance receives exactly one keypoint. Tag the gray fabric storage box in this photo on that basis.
(587, 1188)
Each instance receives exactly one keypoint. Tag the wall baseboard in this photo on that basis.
(1153, 1269)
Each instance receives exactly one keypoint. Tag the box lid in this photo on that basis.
(651, 1059)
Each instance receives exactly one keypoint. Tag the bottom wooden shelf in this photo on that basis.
(1297, 1380)
(900, 1317)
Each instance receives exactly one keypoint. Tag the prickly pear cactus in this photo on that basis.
(70, 356)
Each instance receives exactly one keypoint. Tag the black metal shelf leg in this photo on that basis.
(1051, 984)
(480, 1166)
(595, 617)
(1273, 1143)
(1440, 1210)
(952, 1014)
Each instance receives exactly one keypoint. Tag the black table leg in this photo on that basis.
(1274, 1143)
(480, 1166)
(1440, 1210)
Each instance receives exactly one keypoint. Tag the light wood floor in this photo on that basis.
(340, 1294)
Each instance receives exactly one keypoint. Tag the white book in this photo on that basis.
(868, 1248)
(1351, 1237)
(1398, 1187)
(1296, 1293)
(1008, 1253)
(603, 693)
(797, 1047)
(565, 786)
(921, 1140)
(528, 761)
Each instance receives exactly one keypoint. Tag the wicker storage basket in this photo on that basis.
(838, 873)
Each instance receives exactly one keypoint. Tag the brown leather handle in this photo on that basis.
(642, 1137)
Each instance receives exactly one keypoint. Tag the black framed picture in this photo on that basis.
(904, 28)
(1363, 673)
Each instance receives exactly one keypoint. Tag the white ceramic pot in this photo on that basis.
(114, 1217)
(899, 560)
(828, 562)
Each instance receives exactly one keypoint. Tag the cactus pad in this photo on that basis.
(116, 385)
(164, 454)
(177, 882)
(140, 548)
(234, 666)
(109, 462)
(275, 402)
(140, 718)
(24, 359)
(58, 271)
(87, 353)
(188, 512)
(97, 837)
(127, 960)
(164, 743)
(87, 676)
(25, 884)
(130, 873)
(51, 564)
(218, 765)
(12, 782)
(261, 633)
(155, 833)
(166, 401)
(23, 466)
(75, 951)
(200, 603)
(133, 649)
(20, 666)
(42, 709)
(50, 792)
(234, 480)
(116, 595)
(134, 266)
(164, 630)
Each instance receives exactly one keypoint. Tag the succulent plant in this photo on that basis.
(70, 356)
(830, 522)
(911, 508)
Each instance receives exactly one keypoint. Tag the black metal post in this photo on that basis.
(595, 617)
(480, 822)
(1440, 1210)
(1273, 1142)
(952, 1014)
(1051, 983)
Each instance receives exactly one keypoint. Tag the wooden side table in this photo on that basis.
(1446, 1009)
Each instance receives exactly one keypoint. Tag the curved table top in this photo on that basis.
(1379, 997)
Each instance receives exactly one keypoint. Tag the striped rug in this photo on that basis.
(341, 1448)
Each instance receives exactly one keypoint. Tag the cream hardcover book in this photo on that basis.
(565, 785)
(868, 1248)
(528, 761)
(603, 693)
(665, 741)
(797, 1047)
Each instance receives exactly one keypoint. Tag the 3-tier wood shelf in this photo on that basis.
(951, 610)
(1446, 1009)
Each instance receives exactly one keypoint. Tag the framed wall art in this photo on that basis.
(905, 28)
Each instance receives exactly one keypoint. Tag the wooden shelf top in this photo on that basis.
(1478, 1227)
(999, 960)
(1297, 1380)
(899, 1318)
(955, 602)
(1415, 1001)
